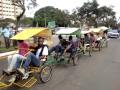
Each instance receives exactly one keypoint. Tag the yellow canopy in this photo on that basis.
(30, 32)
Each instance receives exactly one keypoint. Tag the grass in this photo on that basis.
(3, 49)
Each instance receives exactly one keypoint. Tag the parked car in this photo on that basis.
(119, 31)
(113, 34)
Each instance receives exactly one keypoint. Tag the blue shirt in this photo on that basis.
(6, 32)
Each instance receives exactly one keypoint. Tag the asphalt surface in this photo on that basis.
(99, 72)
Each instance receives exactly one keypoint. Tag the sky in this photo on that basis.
(72, 4)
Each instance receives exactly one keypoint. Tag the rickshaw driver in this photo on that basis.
(71, 48)
(34, 58)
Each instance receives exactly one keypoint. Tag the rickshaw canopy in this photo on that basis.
(96, 30)
(104, 28)
(69, 31)
(30, 32)
(85, 31)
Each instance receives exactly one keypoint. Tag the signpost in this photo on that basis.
(51, 25)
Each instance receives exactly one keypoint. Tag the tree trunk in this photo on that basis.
(18, 18)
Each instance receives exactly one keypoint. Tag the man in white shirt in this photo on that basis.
(98, 37)
(6, 33)
(34, 58)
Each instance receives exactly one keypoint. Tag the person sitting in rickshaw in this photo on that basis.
(87, 41)
(12, 59)
(82, 43)
(33, 58)
(93, 39)
(59, 48)
(98, 39)
(78, 42)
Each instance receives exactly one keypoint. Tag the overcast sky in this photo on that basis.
(71, 4)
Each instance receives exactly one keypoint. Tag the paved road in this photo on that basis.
(99, 72)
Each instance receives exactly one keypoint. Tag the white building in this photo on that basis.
(7, 10)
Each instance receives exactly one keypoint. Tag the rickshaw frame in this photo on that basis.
(40, 71)
(100, 31)
(66, 58)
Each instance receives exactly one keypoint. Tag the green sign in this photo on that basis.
(51, 24)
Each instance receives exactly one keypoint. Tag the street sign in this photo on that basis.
(51, 24)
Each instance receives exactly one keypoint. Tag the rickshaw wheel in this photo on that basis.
(45, 74)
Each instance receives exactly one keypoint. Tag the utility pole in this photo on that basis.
(45, 20)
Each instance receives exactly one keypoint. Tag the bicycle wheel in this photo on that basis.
(45, 74)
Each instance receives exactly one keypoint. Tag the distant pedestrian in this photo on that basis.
(14, 32)
(7, 34)
(0, 36)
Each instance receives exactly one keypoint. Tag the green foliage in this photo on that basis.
(107, 16)
(27, 21)
(23, 5)
(52, 14)
(93, 15)
(5, 22)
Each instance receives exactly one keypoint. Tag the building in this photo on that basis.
(7, 10)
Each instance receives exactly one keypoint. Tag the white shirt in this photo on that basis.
(99, 38)
(45, 52)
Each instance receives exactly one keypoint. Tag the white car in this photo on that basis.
(113, 34)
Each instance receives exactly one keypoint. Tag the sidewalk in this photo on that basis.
(4, 55)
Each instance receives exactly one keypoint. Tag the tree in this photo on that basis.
(47, 14)
(93, 15)
(107, 16)
(75, 19)
(26, 21)
(86, 12)
(7, 21)
(23, 5)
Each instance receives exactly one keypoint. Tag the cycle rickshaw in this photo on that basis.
(85, 48)
(42, 73)
(66, 58)
(101, 41)
(104, 41)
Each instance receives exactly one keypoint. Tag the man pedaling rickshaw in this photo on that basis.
(64, 46)
(71, 48)
(33, 58)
